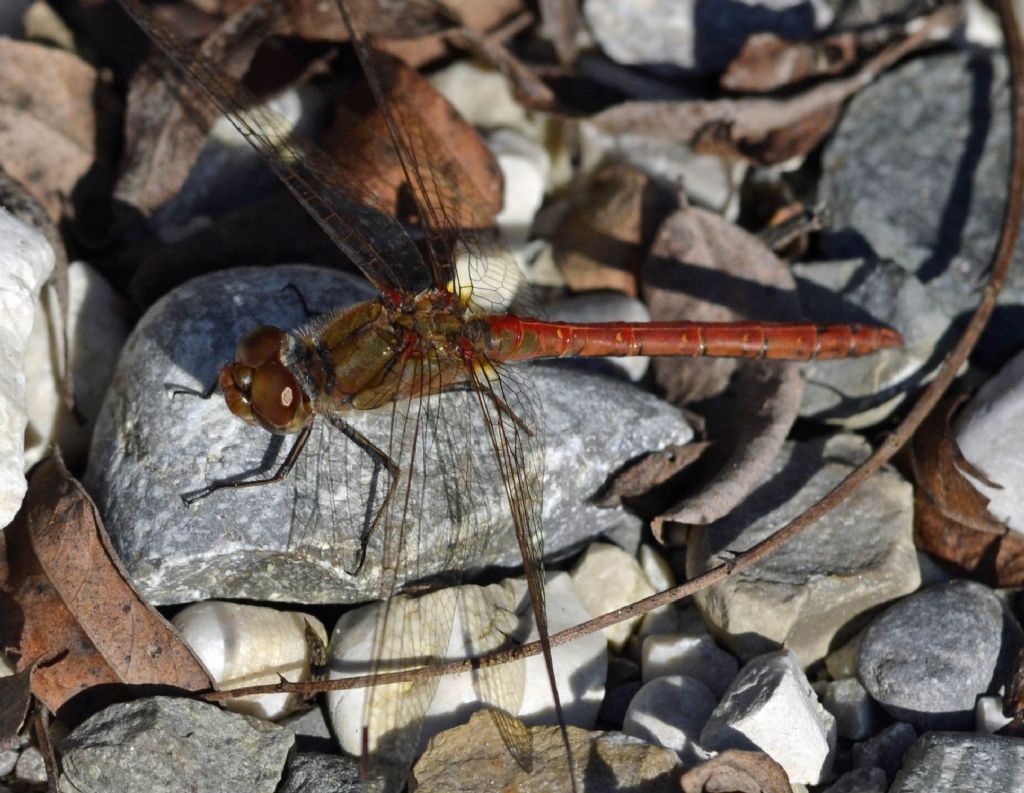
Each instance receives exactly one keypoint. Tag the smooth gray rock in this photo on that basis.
(167, 745)
(313, 772)
(299, 540)
(885, 750)
(916, 171)
(861, 391)
(928, 658)
(855, 558)
(959, 763)
(856, 714)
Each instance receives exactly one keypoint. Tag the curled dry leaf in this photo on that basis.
(65, 592)
(48, 120)
(603, 240)
(15, 697)
(637, 478)
(456, 165)
(703, 268)
(762, 129)
(735, 771)
(951, 518)
(768, 62)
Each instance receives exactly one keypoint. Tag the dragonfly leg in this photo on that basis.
(279, 476)
(302, 299)
(380, 457)
(499, 403)
(173, 390)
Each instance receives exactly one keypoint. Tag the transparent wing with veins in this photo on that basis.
(354, 217)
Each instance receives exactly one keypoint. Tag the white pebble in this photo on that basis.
(524, 165)
(694, 656)
(771, 706)
(97, 327)
(988, 715)
(990, 431)
(671, 712)
(484, 618)
(26, 261)
(607, 578)
(242, 645)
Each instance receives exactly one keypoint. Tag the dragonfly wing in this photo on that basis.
(352, 215)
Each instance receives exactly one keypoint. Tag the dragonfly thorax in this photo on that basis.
(259, 388)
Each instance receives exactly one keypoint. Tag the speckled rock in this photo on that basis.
(953, 762)
(300, 540)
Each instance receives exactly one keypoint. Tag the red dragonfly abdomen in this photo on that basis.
(518, 339)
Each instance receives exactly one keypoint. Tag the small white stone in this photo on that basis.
(481, 95)
(694, 656)
(30, 766)
(856, 714)
(484, 618)
(671, 712)
(97, 327)
(525, 165)
(26, 261)
(990, 431)
(841, 663)
(655, 566)
(607, 578)
(770, 706)
(242, 645)
(988, 715)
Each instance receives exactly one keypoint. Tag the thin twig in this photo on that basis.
(1002, 260)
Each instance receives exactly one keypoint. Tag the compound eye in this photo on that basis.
(259, 345)
(277, 400)
(236, 385)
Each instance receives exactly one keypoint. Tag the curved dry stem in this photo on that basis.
(1002, 260)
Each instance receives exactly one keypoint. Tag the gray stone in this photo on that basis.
(299, 540)
(30, 767)
(860, 780)
(861, 391)
(7, 761)
(671, 712)
(958, 763)
(928, 658)
(694, 656)
(916, 172)
(313, 772)
(695, 36)
(856, 714)
(770, 707)
(855, 558)
(311, 731)
(168, 744)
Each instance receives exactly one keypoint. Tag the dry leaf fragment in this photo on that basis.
(735, 771)
(603, 240)
(768, 62)
(454, 163)
(15, 697)
(48, 120)
(951, 518)
(637, 478)
(703, 268)
(68, 594)
(763, 129)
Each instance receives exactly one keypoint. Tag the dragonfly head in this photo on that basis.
(259, 388)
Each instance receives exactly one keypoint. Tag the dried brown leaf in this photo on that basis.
(734, 771)
(951, 518)
(638, 478)
(762, 129)
(166, 123)
(768, 62)
(459, 161)
(15, 697)
(67, 593)
(703, 268)
(560, 23)
(603, 240)
(48, 120)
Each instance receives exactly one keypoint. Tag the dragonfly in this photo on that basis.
(438, 329)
